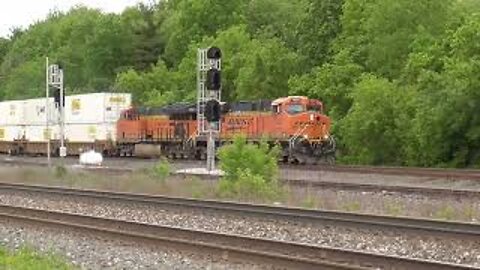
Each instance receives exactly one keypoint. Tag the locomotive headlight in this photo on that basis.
(326, 137)
(305, 136)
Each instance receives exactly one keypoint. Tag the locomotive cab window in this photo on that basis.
(276, 108)
(295, 108)
(314, 108)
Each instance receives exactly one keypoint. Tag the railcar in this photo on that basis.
(90, 123)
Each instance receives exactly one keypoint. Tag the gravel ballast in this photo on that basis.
(383, 242)
(93, 252)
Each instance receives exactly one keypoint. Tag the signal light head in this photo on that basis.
(212, 110)
(214, 79)
(214, 53)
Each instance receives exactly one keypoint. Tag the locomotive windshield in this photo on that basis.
(315, 108)
(295, 108)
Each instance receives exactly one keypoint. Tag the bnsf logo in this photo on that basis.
(236, 122)
(310, 123)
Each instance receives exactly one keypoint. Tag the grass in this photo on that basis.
(27, 259)
(148, 182)
(446, 212)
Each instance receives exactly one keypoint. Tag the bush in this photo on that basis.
(162, 169)
(240, 156)
(249, 187)
(250, 171)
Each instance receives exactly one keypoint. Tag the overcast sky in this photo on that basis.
(25, 12)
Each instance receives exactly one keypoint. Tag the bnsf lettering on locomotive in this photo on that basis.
(310, 123)
(239, 122)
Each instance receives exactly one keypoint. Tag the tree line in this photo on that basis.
(398, 77)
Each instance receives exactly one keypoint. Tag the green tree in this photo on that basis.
(191, 20)
(332, 83)
(144, 21)
(4, 46)
(378, 33)
(275, 19)
(317, 30)
(445, 129)
(373, 129)
(156, 87)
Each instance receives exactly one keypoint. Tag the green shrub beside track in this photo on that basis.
(251, 171)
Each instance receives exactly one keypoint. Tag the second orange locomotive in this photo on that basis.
(297, 124)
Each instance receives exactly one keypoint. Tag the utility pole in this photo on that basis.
(208, 99)
(63, 149)
(47, 113)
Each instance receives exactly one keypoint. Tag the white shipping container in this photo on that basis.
(35, 113)
(90, 132)
(41, 134)
(3, 113)
(12, 113)
(95, 108)
(11, 133)
(88, 117)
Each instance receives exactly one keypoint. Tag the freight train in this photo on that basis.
(107, 123)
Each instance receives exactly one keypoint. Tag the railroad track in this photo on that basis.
(452, 174)
(468, 174)
(236, 248)
(435, 228)
(430, 191)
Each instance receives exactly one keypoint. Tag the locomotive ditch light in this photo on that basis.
(214, 53)
(212, 110)
(214, 79)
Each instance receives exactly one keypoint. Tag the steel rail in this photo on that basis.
(430, 191)
(378, 222)
(444, 173)
(230, 247)
(466, 174)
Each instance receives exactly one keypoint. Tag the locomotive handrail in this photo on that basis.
(297, 134)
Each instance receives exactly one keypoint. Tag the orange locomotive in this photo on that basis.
(297, 124)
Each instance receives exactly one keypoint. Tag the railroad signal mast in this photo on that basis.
(55, 81)
(209, 89)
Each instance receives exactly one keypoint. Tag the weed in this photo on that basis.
(309, 202)
(393, 209)
(60, 171)
(351, 206)
(26, 258)
(446, 212)
(249, 187)
(162, 169)
(469, 212)
(196, 188)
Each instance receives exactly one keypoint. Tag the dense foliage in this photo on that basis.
(398, 77)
